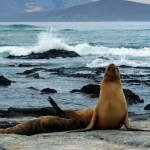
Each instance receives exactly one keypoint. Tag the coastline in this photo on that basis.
(29, 77)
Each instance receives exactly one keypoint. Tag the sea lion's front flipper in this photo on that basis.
(91, 126)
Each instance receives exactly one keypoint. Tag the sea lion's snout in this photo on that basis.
(111, 69)
(112, 72)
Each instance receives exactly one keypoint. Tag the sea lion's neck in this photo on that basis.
(108, 89)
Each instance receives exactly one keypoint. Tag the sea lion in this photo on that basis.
(111, 110)
(65, 121)
(44, 124)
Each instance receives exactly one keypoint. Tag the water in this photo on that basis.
(123, 43)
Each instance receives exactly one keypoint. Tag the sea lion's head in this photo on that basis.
(112, 72)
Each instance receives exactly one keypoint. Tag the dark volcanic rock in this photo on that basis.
(25, 65)
(131, 97)
(34, 75)
(76, 72)
(7, 124)
(94, 90)
(31, 71)
(48, 54)
(147, 107)
(3, 113)
(48, 91)
(28, 112)
(32, 88)
(91, 89)
(4, 81)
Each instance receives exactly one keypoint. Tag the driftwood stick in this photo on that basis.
(56, 107)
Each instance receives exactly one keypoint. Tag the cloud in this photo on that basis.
(32, 7)
(141, 1)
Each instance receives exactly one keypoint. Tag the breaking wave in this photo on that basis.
(48, 40)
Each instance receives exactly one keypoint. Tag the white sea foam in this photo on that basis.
(119, 62)
(50, 40)
(45, 41)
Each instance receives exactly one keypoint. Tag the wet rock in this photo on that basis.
(131, 97)
(48, 91)
(4, 81)
(27, 72)
(91, 89)
(3, 113)
(32, 88)
(48, 54)
(36, 112)
(11, 65)
(77, 72)
(7, 124)
(34, 75)
(147, 107)
(75, 91)
(25, 65)
(94, 90)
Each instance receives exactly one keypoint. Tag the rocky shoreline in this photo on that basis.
(109, 139)
(93, 140)
(92, 90)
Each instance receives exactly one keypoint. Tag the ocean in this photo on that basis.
(127, 44)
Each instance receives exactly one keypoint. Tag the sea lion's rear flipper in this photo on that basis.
(56, 107)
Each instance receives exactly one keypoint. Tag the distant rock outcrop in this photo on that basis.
(46, 55)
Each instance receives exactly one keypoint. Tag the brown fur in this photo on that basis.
(43, 125)
(84, 115)
(111, 110)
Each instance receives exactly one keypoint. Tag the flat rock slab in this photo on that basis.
(72, 141)
(94, 140)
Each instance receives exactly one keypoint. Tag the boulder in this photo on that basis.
(91, 89)
(131, 97)
(4, 81)
(48, 91)
(147, 107)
